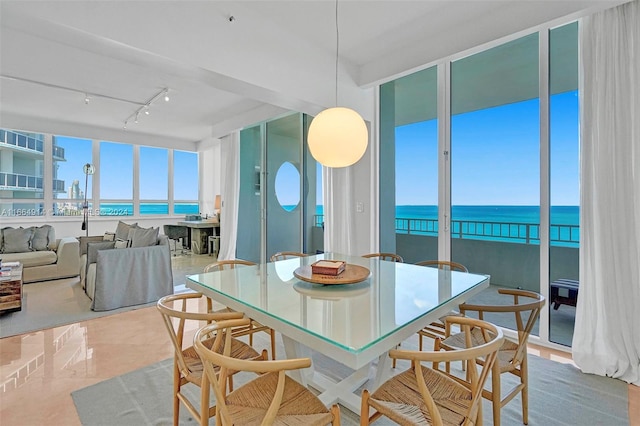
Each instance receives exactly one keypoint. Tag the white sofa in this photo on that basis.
(42, 255)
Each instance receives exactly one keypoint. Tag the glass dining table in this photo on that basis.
(354, 324)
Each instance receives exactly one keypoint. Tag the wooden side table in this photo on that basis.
(11, 288)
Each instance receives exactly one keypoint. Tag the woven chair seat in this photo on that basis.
(248, 404)
(399, 398)
(239, 350)
(505, 355)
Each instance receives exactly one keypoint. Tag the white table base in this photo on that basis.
(342, 391)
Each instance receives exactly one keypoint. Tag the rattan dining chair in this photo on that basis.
(271, 398)
(282, 255)
(422, 395)
(187, 366)
(254, 326)
(512, 356)
(392, 257)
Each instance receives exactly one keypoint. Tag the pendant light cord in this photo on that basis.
(337, 50)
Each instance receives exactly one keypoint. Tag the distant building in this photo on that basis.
(22, 170)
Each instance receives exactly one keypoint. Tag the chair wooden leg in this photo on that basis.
(205, 388)
(364, 408)
(335, 411)
(176, 389)
(524, 379)
(272, 332)
(496, 393)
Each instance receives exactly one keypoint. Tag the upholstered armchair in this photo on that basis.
(118, 277)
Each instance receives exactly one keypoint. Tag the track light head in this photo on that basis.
(86, 99)
(166, 97)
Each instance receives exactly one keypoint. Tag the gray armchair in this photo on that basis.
(118, 277)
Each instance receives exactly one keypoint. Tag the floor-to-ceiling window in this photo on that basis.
(409, 125)
(495, 163)
(564, 232)
(488, 208)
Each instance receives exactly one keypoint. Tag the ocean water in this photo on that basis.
(497, 223)
(560, 215)
(126, 209)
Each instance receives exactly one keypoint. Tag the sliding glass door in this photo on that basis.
(564, 147)
(467, 150)
(409, 123)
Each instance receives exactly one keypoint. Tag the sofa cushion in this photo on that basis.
(32, 258)
(17, 240)
(43, 237)
(141, 237)
(122, 230)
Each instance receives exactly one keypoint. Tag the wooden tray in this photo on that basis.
(352, 274)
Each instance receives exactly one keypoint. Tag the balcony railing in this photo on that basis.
(21, 141)
(20, 182)
(525, 233)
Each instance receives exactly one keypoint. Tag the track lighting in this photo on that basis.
(146, 107)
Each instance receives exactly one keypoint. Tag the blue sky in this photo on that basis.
(494, 154)
(495, 157)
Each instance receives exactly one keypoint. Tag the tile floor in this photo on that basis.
(38, 371)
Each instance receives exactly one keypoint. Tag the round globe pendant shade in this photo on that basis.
(338, 137)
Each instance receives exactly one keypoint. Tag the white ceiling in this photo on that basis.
(275, 56)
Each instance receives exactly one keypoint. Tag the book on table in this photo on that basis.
(328, 267)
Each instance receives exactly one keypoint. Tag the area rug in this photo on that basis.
(55, 303)
(559, 395)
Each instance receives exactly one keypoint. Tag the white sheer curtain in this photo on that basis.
(230, 184)
(338, 209)
(606, 339)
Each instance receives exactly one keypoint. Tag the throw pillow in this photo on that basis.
(120, 244)
(122, 231)
(17, 240)
(94, 248)
(109, 236)
(141, 237)
(40, 240)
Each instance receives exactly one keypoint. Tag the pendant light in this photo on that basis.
(337, 136)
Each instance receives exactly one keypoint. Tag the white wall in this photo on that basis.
(209, 174)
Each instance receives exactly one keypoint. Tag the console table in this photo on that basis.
(11, 288)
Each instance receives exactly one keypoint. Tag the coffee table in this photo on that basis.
(11, 288)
